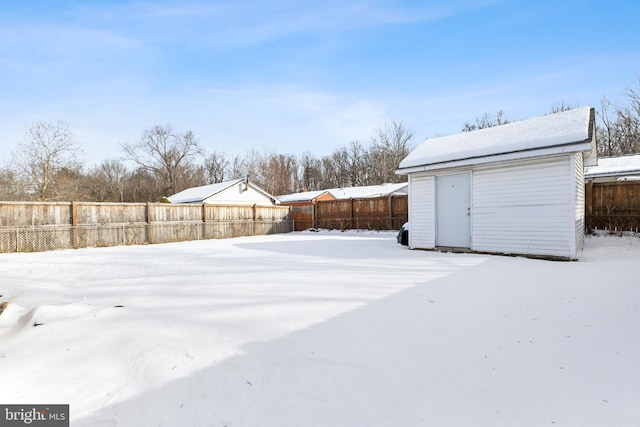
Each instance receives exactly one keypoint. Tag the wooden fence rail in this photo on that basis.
(34, 226)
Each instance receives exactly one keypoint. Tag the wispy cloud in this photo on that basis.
(228, 23)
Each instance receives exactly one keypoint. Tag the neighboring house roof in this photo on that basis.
(200, 194)
(621, 166)
(564, 132)
(305, 196)
(369, 191)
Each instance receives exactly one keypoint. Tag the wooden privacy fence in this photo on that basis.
(612, 206)
(376, 213)
(34, 226)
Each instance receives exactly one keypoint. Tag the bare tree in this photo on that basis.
(634, 113)
(336, 168)
(68, 185)
(486, 121)
(628, 130)
(279, 172)
(237, 168)
(390, 145)
(47, 149)
(10, 185)
(619, 132)
(561, 106)
(167, 155)
(115, 174)
(143, 186)
(311, 173)
(216, 167)
(107, 182)
(606, 133)
(356, 158)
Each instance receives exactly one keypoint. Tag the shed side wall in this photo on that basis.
(579, 212)
(422, 221)
(522, 208)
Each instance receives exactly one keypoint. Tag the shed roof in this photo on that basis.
(567, 131)
(614, 166)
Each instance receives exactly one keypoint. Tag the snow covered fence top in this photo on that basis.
(564, 132)
(614, 166)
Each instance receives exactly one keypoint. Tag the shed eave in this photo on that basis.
(582, 146)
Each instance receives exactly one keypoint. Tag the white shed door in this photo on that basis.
(453, 210)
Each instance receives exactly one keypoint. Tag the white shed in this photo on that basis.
(513, 189)
(236, 192)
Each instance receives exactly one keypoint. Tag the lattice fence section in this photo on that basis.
(39, 239)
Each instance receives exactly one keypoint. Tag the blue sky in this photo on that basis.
(297, 76)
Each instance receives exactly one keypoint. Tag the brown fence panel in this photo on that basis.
(302, 217)
(613, 206)
(400, 211)
(376, 213)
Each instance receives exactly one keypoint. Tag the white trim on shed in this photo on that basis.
(528, 202)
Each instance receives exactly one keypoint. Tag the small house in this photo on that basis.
(517, 188)
(236, 192)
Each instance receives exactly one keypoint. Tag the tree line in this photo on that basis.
(45, 166)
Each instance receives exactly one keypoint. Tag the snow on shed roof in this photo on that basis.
(198, 194)
(301, 197)
(553, 130)
(613, 166)
(369, 191)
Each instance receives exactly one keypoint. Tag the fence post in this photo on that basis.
(74, 224)
(588, 200)
(148, 222)
(390, 222)
(351, 212)
(253, 221)
(313, 215)
(204, 220)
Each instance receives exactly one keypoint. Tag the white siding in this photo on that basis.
(522, 208)
(422, 211)
(579, 210)
(235, 195)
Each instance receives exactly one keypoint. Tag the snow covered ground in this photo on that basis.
(323, 329)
